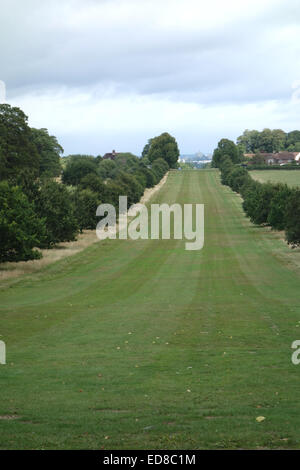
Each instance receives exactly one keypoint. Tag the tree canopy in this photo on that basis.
(49, 151)
(163, 146)
(21, 229)
(225, 148)
(18, 153)
(269, 141)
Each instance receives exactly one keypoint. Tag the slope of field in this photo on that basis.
(141, 344)
(290, 177)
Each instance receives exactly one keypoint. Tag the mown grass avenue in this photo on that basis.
(141, 344)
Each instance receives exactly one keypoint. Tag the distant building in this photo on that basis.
(280, 158)
(110, 156)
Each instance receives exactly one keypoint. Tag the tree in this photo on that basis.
(107, 169)
(127, 161)
(18, 154)
(226, 167)
(278, 208)
(94, 183)
(20, 228)
(293, 219)
(133, 189)
(54, 204)
(146, 149)
(159, 168)
(249, 141)
(225, 148)
(257, 202)
(77, 168)
(114, 189)
(165, 147)
(251, 196)
(293, 141)
(266, 141)
(49, 151)
(278, 140)
(86, 203)
(238, 178)
(148, 174)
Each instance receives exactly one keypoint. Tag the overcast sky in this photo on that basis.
(109, 74)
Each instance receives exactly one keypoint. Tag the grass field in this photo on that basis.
(290, 177)
(141, 344)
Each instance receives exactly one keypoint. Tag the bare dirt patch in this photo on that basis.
(9, 417)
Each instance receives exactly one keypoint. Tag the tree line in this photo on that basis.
(268, 141)
(275, 205)
(46, 199)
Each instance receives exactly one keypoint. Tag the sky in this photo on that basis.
(110, 74)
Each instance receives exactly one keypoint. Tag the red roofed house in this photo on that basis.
(280, 158)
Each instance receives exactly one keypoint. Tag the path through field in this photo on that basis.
(141, 344)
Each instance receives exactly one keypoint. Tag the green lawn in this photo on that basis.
(141, 344)
(290, 177)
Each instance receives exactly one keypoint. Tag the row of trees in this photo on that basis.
(276, 205)
(92, 181)
(269, 141)
(43, 202)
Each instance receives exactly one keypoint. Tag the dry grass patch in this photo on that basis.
(63, 250)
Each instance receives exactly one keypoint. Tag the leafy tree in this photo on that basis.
(146, 149)
(278, 140)
(257, 202)
(293, 219)
(107, 169)
(149, 176)
(225, 148)
(49, 151)
(278, 208)
(249, 141)
(238, 178)
(114, 189)
(86, 203)
(127, 161)
(141, 178)
(294, 147)
(54, 204)
(159, 168)
(18, 154)
(20, 229)
(145, 161)
(165, 147)
(293, 141)
(77, 168)
(266, 141)
(226, 167)
(250, 203)
(133, 189)
(94, 183)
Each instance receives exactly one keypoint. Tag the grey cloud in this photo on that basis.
(230, 63)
